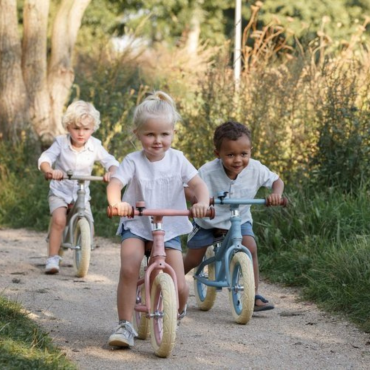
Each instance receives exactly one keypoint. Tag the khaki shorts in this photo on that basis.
(56, 202)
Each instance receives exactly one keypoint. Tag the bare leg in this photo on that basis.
(58, 223)
(174, 259)
(193, 258)
(132, 253)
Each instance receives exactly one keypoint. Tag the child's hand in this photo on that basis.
(106, 177)
(199, 209)
(274, 199)
(57, 174)
(124, 209)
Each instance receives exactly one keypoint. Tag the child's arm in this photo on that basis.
(46, 168)
(277, 191)
(114, 198)
(198, 189)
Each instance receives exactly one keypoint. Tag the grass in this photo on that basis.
(23, 345)
(320, 243)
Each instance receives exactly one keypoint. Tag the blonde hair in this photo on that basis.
(81, 113)
(157, 105)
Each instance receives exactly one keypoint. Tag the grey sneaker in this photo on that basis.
(123, 335)
(181, 315)
(52, 265)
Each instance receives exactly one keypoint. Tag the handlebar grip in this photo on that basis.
(283, 202)
(210, 213)
(48, 176)
(113, 211)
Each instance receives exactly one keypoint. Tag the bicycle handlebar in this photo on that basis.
(49, 176)
(112, 211)
(213, 201)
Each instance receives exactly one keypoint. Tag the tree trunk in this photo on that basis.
(34, 64)
(192, 41)
(61, 75)
(13, 96)
(30, 91)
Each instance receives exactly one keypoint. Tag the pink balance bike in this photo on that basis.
(157, 297)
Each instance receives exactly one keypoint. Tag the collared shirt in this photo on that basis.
(160, 185)
(65, 158)
(246, 186)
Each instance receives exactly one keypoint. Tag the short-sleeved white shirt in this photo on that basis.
(62, 155)
(246, 185)
(160, 185)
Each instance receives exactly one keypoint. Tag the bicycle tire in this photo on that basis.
(140, 321)
(206, 295)
(164, 322)
(241, 294)
(82, 247)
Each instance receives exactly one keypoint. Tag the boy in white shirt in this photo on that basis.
(241, 176)
(76, 151)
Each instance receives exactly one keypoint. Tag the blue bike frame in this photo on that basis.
(230, 244)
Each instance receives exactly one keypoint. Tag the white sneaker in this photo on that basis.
(52, 265)
(123, 335)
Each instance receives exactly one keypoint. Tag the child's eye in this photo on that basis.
(230, 155)
(244, 155)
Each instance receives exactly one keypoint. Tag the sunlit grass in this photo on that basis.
(23, 345)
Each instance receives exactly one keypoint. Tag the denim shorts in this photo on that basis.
(174, 243)
(200, 238)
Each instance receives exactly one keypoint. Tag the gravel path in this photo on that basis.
(79, 314)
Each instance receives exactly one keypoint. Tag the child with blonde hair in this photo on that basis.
(155, 174)
(76, 151)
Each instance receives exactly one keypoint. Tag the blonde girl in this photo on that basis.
(155, 174)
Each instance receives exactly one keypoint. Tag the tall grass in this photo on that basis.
(320, 242)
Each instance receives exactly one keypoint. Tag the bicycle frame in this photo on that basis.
(229, 245)
(78, 211)
(157, 259)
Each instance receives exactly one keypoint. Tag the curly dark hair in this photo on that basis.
(230, 130)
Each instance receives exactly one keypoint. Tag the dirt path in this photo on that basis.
(80, 313)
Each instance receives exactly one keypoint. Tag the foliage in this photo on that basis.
(23, 345)
(320, 242)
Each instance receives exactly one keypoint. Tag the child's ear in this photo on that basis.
(216, 152)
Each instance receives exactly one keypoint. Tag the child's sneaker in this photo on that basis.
(52, 265)
(123, 335)
(181, 315)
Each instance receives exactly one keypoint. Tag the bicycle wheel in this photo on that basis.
(206, 295)
(82, 247)
(140, 321)
(164, 322)
(241, 294)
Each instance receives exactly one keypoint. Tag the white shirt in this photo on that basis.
(160, 185)
(65, 158)
(246, 186)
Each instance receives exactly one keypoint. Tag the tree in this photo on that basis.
(34, 86)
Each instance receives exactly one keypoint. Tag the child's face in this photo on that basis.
(156, 138)
(80, 133)
(235, 155)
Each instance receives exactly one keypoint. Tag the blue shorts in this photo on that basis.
(174, 243)
(200, 238)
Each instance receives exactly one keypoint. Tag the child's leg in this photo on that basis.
(174, 259)
(193, 258)
(58, 223)
(132, 253)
